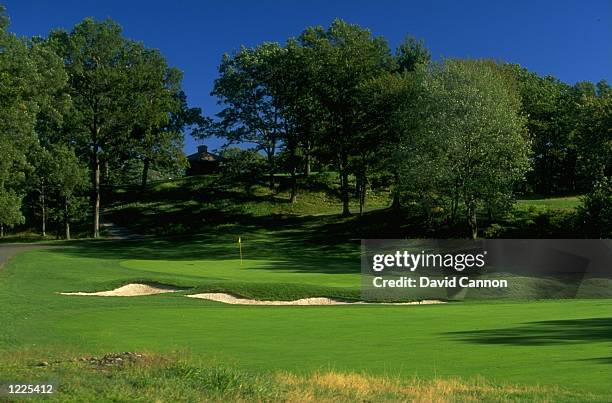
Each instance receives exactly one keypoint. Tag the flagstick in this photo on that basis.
(240, 248)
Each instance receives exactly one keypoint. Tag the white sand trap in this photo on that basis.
(233, 300)
(128, 290)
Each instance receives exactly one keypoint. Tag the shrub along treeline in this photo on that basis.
(85, 108)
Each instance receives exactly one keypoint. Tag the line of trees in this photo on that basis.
(85, 108)
(459, 136)
(80, 108)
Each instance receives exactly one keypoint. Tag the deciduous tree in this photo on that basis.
(474, 145)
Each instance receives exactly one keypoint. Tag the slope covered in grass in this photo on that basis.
(204, 204)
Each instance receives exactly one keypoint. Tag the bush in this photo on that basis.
(596, 209)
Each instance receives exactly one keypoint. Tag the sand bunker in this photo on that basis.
(128, 290)
(231, 299)
(134, 290)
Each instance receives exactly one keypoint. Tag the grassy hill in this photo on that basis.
(200, 204)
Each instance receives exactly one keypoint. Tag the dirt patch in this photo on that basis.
(108, 360)
(129, 290)
(233, 300)
(114, 359)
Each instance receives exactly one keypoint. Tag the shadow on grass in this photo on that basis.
(323, 244)
(601, 360)
(288, 252)
(544, 333)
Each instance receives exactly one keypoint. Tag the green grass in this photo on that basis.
(155, 377)
(552, 203)
(26, 237)
(200, 204)
(505, 342)
(555, 350)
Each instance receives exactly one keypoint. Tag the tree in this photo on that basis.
(473, 138)
(10, 213)
(67, 178)
(390, 102)
(111, 81)
(250, 114)
(550, 108)
(411, 54)
(29, 78)
(158, 113)
(96, 58)
(342, 58)
(594, 139)
(289, 82)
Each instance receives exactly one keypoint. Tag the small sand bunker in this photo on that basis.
(128, 290)
(233, 300)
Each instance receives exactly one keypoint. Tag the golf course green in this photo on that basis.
(560, 343)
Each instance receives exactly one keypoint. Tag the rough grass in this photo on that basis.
(176, 377)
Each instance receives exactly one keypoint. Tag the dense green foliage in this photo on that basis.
(470, 145)
(458, 137)
(76, 102)
(449, 138)
(596, 211)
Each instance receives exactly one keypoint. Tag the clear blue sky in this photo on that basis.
(570, 39)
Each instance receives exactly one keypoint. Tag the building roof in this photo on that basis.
(203, 155)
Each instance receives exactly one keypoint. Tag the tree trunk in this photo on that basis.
(455, 205)
(271, 151)
(308, 159)
(1, 230)
(271, 175)
(293, 196)
(362, 191)
(471, 220)
(66, 220)
(106, 172)
(344, 185)
(96, 190)
(145, 173)
(44, 211)
(396, 204)
(271, 165)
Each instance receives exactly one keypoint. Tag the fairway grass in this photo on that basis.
(541, 345)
